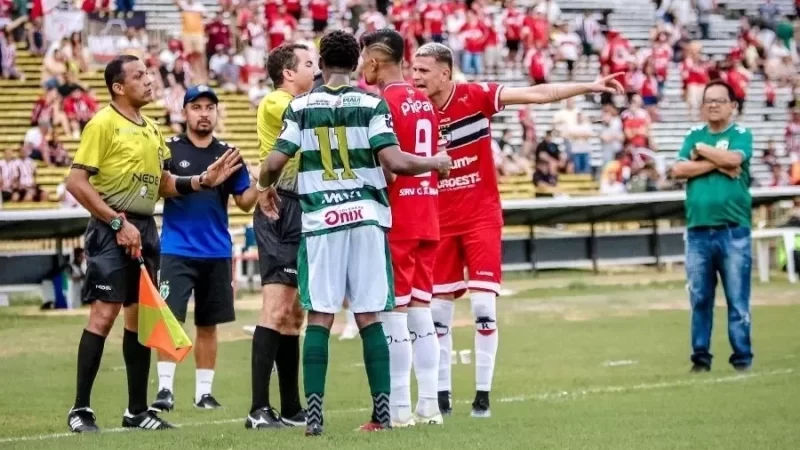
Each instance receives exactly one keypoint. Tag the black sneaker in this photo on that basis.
(147, 420)
(741, 367)
(480, 407)
(207, 401)
(444, 403)
(700, 368)
(82, 420)
(165, 401)
(296, 420)
(314, 429)
(264, 418)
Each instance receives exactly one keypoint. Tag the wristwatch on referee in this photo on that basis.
(116, 223)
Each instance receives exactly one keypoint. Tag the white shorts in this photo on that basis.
(354, 263)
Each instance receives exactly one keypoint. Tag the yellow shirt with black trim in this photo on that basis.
(269, 124)
(125, 160)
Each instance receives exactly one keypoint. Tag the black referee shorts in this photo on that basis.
(111, 274)
(209, 278)
(278, 241)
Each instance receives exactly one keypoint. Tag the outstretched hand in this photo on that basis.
(222, 168)
(608, 84)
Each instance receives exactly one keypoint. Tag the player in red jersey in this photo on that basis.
(470, 214)
(414, 236)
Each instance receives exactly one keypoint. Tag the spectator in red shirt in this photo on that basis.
(694, 72)
(281, 27)
(539, 64)
(512, 22)
(433, 17)
(294, 8)
(473, 33)
(491, 58)
(218, 34)
(648, 89)
(79, 107)
(738, 78)
(535, 29)
(319, 15)
(400, 13)
(270, 8)
(636, 124)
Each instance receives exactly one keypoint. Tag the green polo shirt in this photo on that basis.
(715, 198)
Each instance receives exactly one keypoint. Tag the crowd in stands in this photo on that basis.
(229, 47)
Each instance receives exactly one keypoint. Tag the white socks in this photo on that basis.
(204, 378)
(484, 310)
(442, 312)
(351, 318)
(395, 327)
(166, 375)
(426, 359)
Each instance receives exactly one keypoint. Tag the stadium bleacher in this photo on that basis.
(633, 18)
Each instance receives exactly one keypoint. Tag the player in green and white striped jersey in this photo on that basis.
(344, 137)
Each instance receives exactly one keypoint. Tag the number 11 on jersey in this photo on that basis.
(325, 136)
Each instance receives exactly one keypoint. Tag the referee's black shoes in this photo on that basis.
(82, 420)
(264, 418)
(207, 401)
(296, 420)
(147, 420)
(165, 401)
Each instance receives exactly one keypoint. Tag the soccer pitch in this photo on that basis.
(585, 362)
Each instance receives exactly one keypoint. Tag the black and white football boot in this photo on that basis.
(296, 420)
(82, 420)
(147, 420)
(207, 401)
(264, 418)
(165, 401)
(480, 407)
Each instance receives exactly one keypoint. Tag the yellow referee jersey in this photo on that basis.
(125, 160)
(270, 122)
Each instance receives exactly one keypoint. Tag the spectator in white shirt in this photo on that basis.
(257, 92)
(566, 117)
(568, 44)
(217, 62)
(579, 134)
(130, 43)
(550, 9)
(26, 168)
(611, 135)
(9, 177)
(35, 142)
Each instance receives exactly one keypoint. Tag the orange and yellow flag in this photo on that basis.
(158, 327)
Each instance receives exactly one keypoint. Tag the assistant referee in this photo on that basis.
(276, 340)
(196, 245)
(118, 175)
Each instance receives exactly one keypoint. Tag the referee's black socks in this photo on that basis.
(137, 365)
(288, 362)
(90, 352)
(265, 347)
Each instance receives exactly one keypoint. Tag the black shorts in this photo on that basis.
(319, 25)
(278, 241)
(209, 278)
(111, 274)
(513, 45)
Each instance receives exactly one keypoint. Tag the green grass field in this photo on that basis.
(585, 362)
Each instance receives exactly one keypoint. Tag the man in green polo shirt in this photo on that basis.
(715, 159)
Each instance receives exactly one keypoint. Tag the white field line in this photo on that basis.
(522, 398)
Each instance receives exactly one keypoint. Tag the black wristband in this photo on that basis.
(184, 185)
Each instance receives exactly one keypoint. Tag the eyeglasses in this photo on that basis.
(716, 101)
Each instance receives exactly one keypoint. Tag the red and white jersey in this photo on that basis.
(433, 16)
(26, 168)
(694, 72)
(469, 198)
(8, 175)
(512, 22)
(792, 136)
(414, 199)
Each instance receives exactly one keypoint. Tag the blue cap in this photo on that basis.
(198, 91)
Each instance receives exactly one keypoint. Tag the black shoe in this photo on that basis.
(444, 403)
(82, 420)
(480, 406)
(741, 367)
(296, 420)
(207, 401)
(264, 418)
(165, 401)
(147, 420)
(314, 429)
(700, 368)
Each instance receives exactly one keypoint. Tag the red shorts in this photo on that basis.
(412, 262)
(477, 250)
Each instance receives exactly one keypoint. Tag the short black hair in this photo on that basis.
(386, 40)
(731, 94)
(339, 50)
(115, 72)
(282, 58)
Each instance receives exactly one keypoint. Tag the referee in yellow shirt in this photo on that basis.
(276, 340)
(118, 175)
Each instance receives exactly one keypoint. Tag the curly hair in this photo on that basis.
(339, 50)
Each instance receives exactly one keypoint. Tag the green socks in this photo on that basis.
(376, 360)
(315, 367)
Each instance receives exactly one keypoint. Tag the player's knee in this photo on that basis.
(102, 317)
(209, 332)
(484, 310)
(364, 320)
